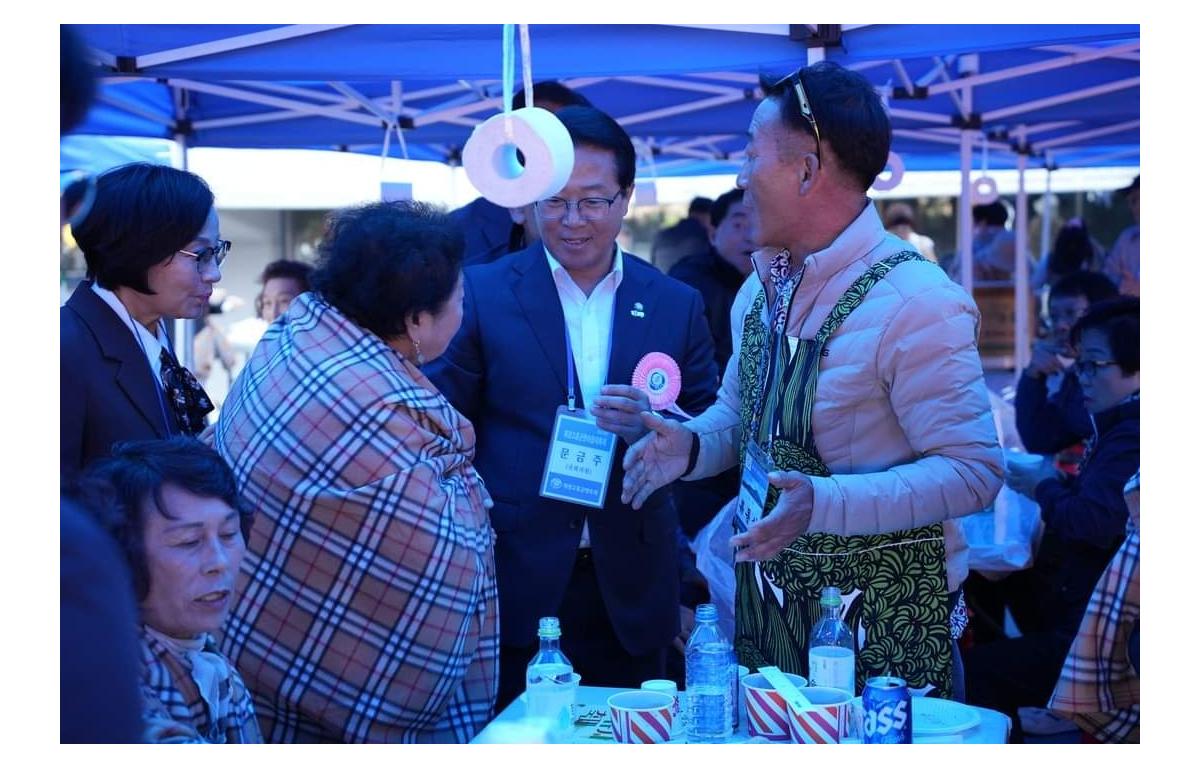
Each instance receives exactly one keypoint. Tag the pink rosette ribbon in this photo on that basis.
(657, 374)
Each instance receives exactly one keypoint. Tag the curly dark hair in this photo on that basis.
(121, 489)
(380, 264)
(1119, 320)
(848, 112)
(142, 215)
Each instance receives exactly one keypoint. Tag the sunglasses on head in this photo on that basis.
(802, 99)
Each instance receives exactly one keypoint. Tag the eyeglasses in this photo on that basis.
(214, 254)
(589, 208)
(1090, 368)
(805, 108)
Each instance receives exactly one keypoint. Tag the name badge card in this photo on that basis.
(579, 461)
(752, 497)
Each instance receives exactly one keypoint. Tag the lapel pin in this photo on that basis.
(637, 310)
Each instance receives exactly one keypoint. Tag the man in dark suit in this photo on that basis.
(609, 574)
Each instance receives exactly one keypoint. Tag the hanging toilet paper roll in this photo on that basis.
(892, 180)
(490, 157)
(984, 191)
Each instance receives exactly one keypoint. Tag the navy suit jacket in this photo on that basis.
(506, 371)
(107, 391)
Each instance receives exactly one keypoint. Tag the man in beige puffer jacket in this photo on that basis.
(900, 416)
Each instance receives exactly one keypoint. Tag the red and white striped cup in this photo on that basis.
(826, 722)
(641, 717)
(766, 711)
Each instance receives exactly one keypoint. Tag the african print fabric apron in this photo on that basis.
(895, 583)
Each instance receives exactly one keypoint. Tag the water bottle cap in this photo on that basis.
(831, 596)
(706, 612)
(548, 627)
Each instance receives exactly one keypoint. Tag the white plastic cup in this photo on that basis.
(669, 687)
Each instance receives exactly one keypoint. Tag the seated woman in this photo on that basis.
(369, 611)
(1085, 517)
(172, 506)
(153, 249)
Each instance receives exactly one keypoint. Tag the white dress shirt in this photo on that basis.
(149, 343)
(589, 324)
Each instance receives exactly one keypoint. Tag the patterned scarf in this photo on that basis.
(187, 398)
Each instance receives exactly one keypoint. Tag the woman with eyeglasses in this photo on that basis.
(1084, 516)
(152, 245)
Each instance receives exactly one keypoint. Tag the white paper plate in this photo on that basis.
(941, 716)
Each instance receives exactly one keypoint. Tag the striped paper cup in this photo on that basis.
(641, 717)
(827, 722)
(766, 711)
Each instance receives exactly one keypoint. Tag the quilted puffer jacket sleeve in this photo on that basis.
(929, 364)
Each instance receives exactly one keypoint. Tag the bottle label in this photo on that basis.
(832, 667)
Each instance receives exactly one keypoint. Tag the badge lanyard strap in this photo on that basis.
(571, 356)
(767, 360)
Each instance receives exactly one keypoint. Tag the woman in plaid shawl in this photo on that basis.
(172, 507)
(369, 605)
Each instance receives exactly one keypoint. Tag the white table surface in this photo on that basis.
(592, 727)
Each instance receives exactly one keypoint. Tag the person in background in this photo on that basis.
(153, 249)
(576, 308)
(492, 230)
(994, 249)
(173, 507)
(282, 280)
(1124, 262)
(899, 219)
(689, 236)
(369, 606)
(211, 346)
(1049, 404)
(1074, 250)
(1085, 518)
(719, 272)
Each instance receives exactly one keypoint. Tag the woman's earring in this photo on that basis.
(417, 347)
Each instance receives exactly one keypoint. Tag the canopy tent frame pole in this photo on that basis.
(184, 328)
(1021, 351)
(966, 258)
(235, 43)
(1047, 214)
(1092, 134)
(335, 112)
(1066, 98)
(1000, 75)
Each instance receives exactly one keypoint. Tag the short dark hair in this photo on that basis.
(142, 215)
(288, 269)
(122, 488)
(1093, 286)
(849, 115)
(76, 80)
(381, 263)
(722, 204)
(1118, 320)
(700, 205)
(993, 214)
(552, 91)
(590, 127)
(1072, 248)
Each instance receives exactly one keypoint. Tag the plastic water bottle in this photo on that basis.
(831, 646)
(549, 688)
(711, 680)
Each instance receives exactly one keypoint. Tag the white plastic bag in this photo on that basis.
(714, 559)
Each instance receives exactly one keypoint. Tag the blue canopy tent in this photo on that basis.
(1047, 94)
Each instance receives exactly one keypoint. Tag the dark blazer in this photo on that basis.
(506, 371)
(107, 392)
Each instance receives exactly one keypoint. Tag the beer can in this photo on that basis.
(887, 711)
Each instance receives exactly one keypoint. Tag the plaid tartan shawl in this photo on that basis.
(1098, 686)
(367, 607)
(173, 709)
